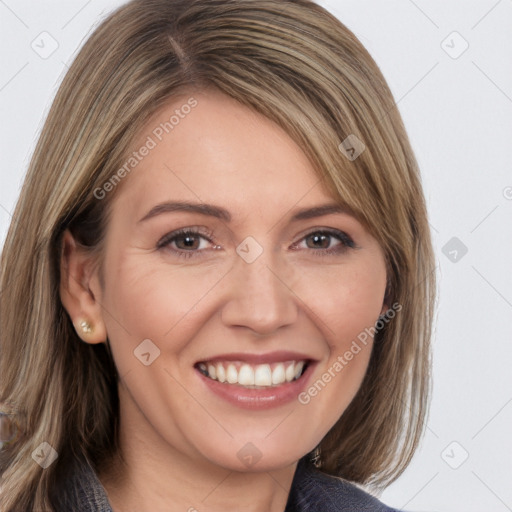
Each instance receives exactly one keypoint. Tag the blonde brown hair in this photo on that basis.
(299, 66)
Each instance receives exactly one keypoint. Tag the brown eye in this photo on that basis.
(187, 241)
(319, 241)
(322, 242)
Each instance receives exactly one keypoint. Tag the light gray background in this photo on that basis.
(457, 108)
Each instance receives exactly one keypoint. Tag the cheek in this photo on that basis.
(148, 300)
(346, 306)
(346, 301)
(355, 307)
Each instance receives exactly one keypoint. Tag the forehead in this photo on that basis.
(208, 147)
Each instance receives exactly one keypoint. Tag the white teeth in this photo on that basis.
(221, 373)
(263, 375)
(278, 375)
(260, 375)
(232, 374)
(298, 369)
(246, 375)
(290, 372)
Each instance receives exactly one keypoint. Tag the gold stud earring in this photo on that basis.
(85, 327)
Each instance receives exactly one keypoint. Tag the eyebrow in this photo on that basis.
(221, 213)
(203, 209)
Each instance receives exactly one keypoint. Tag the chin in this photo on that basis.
(257, 456)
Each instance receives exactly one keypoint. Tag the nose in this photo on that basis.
(259, 298)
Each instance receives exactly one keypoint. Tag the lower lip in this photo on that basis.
(247, 398)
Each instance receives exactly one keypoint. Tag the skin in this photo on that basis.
(179, 440)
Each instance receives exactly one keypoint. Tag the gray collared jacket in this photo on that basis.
(311, 491)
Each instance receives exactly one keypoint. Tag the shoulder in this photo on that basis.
(78, 488)
(314, 491)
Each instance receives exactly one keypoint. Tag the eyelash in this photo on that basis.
(346, 241)
(171, 237)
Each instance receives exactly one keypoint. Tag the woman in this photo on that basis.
(217, 287)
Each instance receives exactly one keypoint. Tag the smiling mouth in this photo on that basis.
(253, 376)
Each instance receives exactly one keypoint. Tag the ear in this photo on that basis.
(387, 298)
(80, 290)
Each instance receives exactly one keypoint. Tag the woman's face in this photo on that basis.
(263, 283)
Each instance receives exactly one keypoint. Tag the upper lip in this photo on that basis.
(279, 356)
